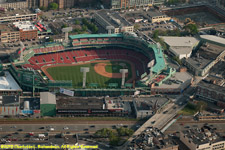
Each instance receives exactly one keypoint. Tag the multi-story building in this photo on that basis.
(18, 17)
(123, 4)
(221, 4)
(27, 30)
(112, 22)
(14, 4)
(210, 92)
(202, 139)
(62, 3)
(32, 3)
(8, 33)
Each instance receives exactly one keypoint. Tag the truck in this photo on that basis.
(41, 135)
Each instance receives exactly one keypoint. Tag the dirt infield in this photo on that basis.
(100, 69)
(115, 75)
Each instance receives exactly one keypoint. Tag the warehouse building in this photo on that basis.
(181, 47)
(156, 16)
(112, 22)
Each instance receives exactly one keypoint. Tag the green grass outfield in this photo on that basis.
(73, 73)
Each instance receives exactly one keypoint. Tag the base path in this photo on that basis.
(100, 69)
(115, 75)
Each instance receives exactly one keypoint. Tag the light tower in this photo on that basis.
(109, 29)
(21, 50)
(66, 31)
(123, 71)
(84, 70)
(150, 65)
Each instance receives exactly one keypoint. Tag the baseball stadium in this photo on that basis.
(90, 64)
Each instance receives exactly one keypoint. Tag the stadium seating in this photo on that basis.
(68, 57)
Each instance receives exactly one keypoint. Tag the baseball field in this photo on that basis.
(102, 72)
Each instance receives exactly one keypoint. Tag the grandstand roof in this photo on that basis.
(94, 35)
(7, 83)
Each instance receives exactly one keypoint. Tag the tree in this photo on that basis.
(104, 133)
(43, 8)
(84, 28)
(51, 39)
(136, 26)
(191, 28)
(77, 22)
(124, 131)
(114, 140)
(64, 26)
(53, 6)
(201, 106)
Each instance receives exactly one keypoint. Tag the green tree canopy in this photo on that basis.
(191, 28)
(53, 6)
(77, 22)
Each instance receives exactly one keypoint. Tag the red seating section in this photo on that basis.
(68, 57)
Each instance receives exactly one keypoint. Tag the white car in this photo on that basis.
(65, 128)
(51, 129)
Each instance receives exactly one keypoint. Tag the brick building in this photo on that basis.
(8, 33)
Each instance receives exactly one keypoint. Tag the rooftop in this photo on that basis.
(7, 28)
(79, 103)
(214, 87)
(179, 80)
(213, 38)
(148, 104)
(24, 25)
(7, 83)
(94, 36)
(173, 41)
(112, 18)
(117, 103)
(202, 135)
(15, 13)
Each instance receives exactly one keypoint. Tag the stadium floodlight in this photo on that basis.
(123, 71)
(84, 70)
(21, 50)
(66, 31)
(150, 65)
(109, 29)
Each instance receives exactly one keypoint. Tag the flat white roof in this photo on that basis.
(213, 38)
(24, 25)
(8, 83)
(180, 41)
(181, 50)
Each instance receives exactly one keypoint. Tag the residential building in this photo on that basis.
(123, 4)
(202, 139)
(181, 47)
(112, 22)
(8, 33)
(14, 4)
(32, 3)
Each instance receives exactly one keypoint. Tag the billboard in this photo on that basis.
(66, 92)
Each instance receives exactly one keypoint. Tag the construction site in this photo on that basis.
(202, 15)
